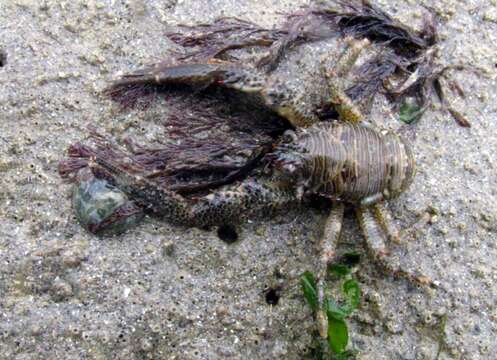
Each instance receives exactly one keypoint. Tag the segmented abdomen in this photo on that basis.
(351, 162)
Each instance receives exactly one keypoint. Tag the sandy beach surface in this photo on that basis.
(167, 292)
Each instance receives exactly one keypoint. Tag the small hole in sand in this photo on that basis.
(3, 59)
(351, 259)
(272, 296)
(227, 233)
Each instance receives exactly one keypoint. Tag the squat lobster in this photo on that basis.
(344, 161)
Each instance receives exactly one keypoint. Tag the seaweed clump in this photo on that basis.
(209, 140)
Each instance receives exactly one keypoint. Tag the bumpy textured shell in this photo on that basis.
(350, 162)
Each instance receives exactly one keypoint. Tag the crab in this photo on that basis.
(345, 161)
(98, 205)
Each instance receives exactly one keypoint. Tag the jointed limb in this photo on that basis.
(349, 56)
(384, 217)
(327, 246)
(235, 203)
(375, 241)
(200, 75)
(228, 205)
(345, 107)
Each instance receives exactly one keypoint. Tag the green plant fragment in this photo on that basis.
(410, 112)
(335, 311)
(352, 292)
(308, 282)
(338, 335)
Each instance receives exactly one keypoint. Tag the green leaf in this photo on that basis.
(338, 335)
(338, 269)
(308, 282)
(410, 112)
(353, 294)
(334, 310)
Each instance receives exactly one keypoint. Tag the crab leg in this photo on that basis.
(201, 75)
(345, 107)
(192, 74)
(375, 241)
(327, 246)
(384, 216)
(230, 204)
(236, 203)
